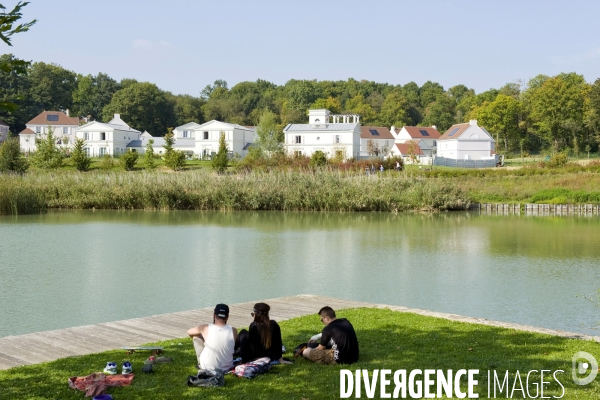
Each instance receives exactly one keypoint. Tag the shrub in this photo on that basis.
(175, 160)
(220, 162)
(48, 155)
(128, 160)
(148, 159)
(107, 162)
(10, 157)
(79, 157)
(318, 159)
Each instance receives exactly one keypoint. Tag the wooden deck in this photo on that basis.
(39, 347)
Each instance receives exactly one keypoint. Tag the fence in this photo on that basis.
(537, 209)
(452, 162)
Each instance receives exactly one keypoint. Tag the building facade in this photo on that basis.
(63, 128)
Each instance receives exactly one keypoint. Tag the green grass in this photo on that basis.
(388, 339)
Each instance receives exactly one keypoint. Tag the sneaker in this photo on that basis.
(111, 368)
(127, 369)
(299, 349)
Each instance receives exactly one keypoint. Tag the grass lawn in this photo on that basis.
(388, 340)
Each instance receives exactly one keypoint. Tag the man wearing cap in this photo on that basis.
(215, 343)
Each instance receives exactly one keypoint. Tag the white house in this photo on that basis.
(63, 128)
(3, 131)
(186, 131)
(375, 141)
(206, 138)
(426, 137)
(107, 138)
(466, 142)
(412, 151)
(335, 135)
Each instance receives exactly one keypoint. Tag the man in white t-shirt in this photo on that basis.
(215, 343)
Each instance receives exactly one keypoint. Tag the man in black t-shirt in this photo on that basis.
(339, 344)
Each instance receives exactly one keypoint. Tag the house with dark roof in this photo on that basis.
(62, 126)
(335, 135)
(375, 141)
(467, 141)
(4, 128)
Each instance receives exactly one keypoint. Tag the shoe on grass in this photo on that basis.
(111, 368)
(299, 349)
(127, 368)
(150, 360)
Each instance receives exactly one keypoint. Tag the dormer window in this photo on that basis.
(185, 134)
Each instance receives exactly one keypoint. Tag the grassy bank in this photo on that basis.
(202, 190)
(388, 340)
(324, 190)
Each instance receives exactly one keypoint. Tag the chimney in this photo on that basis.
(473, 122)
(118, 116)
(434, 127)
(67, 112)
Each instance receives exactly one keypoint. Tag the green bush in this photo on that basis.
(318, 159)
(174, 159)
(79, 158)
(107, 162)
(10, 157)
(128, 160)
(47, 155)
(221, 161)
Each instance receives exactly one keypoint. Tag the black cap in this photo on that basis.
(222, 310)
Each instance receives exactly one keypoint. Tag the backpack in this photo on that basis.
(207, 378)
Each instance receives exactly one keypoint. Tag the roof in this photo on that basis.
(27, 131)
(417, 132)
(320, 127)
(403, 147)
(3, 123)
(118, 121)
(185, 142)
(108, 125)
(455, 131)
(375, 132)
(247, 146)
(160, 142)
(188, 125)
(60, 119)
(232, 126)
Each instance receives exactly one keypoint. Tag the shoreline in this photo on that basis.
(34, 348)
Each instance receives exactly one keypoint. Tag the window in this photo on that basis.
(336, 139)
(52, 117)
(185, 133)
(86, 150)
(298, 153)
(65, 130)
(205, 135)
(423, 132)
(86, 136)
(102, 135)
(374, 132)
(38, 129)
(298, 139)
(339, 154)
(102, 151)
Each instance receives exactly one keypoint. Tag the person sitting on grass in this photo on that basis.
(339, 344)
(215, 343)
(263, 337)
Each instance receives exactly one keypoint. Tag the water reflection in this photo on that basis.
(65, 269)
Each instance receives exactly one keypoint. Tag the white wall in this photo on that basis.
(325, 141)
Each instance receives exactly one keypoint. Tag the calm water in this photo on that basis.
(67, 269)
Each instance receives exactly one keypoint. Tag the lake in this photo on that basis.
(64, 269)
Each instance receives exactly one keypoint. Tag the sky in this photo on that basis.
(184, 45)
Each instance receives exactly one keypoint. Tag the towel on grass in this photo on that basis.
(97, 383)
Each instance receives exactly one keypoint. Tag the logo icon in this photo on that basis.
(590, 365)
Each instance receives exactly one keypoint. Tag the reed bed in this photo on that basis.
(201, 190)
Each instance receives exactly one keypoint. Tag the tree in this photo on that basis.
(128, 160)
(413, 152)
(502, 118)
(358, 105)
(429, 92)
(330, 103)
(556, 106)
(52, 86)
(221, 161)
(8, 27)
(270, 135)
(143, 105)
(10, 157)
(79, 156)
(47, 155)
(148, 159)
(441, 112)
(394, 111)
(92, 94)
(174, 159)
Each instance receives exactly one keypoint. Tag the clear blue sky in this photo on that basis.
(183, 45)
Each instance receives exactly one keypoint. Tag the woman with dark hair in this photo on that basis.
(263, 338)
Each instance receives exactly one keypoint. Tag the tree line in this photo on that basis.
(546, 114)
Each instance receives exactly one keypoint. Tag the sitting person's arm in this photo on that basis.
(199, 330)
